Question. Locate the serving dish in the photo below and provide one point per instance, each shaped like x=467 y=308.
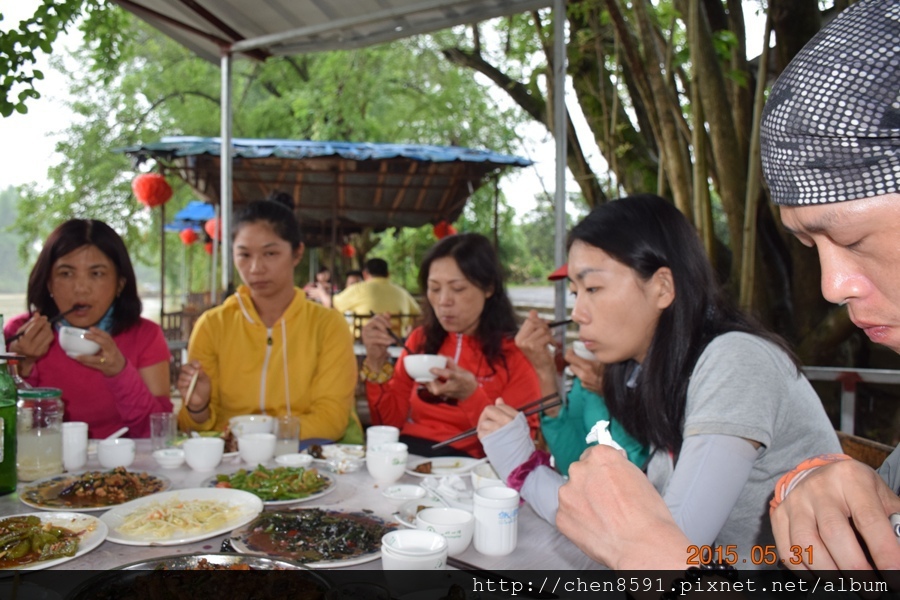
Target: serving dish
x=272 y=496
x=57 y=492
x=91 y=533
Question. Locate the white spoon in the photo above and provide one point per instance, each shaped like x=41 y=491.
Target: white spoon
x=117 y=434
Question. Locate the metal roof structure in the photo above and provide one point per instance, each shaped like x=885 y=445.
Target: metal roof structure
x=350 y=185
x=264 y=28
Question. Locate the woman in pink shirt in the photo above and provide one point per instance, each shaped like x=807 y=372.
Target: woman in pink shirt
x=84 y=272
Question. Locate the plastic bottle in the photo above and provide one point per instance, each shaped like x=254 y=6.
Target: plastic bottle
x=8 y=392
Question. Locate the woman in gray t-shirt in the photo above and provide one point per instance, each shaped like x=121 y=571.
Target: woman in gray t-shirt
x=721 y=401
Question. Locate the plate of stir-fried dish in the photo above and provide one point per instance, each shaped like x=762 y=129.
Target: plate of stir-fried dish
x=40 y=540
x=91 y=490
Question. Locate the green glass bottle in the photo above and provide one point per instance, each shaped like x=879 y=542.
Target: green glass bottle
x=7 y=424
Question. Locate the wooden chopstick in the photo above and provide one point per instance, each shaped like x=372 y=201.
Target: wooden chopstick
x=559 y=323
x=529 y=409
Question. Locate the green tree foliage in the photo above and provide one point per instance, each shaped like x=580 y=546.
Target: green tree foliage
x=13 y=275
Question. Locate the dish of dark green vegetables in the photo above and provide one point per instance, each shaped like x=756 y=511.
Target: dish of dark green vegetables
x=277 y=486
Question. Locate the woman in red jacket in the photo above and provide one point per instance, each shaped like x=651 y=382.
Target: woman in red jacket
x=469 y=319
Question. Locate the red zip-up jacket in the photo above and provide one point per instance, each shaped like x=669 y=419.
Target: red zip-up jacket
x=396 y=402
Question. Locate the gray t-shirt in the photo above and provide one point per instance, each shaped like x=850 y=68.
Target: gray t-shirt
x=745 y=386
x=890 y=470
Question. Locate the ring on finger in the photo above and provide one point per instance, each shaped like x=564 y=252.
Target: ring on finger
x=102 y=360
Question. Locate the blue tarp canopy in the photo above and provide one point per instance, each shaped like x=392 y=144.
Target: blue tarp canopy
x=193 y=216
x=350 y=186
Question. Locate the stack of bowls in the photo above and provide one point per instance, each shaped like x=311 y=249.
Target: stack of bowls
x=413 y=550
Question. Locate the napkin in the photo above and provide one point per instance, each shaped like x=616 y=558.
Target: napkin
x=600 y=434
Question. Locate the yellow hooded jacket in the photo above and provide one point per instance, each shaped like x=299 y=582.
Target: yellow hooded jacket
x=303 y=365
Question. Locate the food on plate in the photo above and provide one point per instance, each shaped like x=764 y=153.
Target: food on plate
x=339 y=458
x=93 y=489
x=424 y=468
x=27 y=539
x=312 y=535
x=280 y=483
x=316 y=451
x=162 y=520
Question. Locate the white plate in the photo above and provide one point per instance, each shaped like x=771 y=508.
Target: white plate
x=238 y=540
x=249 y=504
x=332 y=484
x=407 y=514
x=444 y=465
x=29 y=492
x=94 y=529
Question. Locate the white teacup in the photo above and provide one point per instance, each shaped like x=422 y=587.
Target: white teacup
x=418 y=366
x=244 y=424
x=115 y=453
x=582 y=351
x=387 y=463
x=73 y=342
x=203 y=453
x=256 y=448
x=381 y=434
x=484 y=475
x=455 y=524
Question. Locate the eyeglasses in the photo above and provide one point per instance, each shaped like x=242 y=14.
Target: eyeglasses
x=429 y=398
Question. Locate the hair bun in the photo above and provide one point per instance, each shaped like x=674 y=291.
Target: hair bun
x=282 y=198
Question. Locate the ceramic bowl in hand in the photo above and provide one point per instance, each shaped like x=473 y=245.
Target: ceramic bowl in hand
x=118 y=452
x=203 y=453
x=256 y=448
x=73 y=342
x=418 y=366
x=582 y=351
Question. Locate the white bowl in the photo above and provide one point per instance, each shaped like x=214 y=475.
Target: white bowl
x=401 y=493
x=387 y=463
x=73 y=342
x=455 y=524
x=582 y=351
x=244 y=424
x=203 y=453
x=115 y=453
x=295 y=459
x=414 y=543
x=256 y=448
x=484 y=475
x=418 y=366
x=169 y=458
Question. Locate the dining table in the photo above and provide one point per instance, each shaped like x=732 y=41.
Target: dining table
x=540 y=545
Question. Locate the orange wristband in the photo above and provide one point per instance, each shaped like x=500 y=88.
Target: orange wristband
x=792 y=478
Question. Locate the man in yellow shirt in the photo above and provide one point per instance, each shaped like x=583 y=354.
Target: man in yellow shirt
x=378 y=294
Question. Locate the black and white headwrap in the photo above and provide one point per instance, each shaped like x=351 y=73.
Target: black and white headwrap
x=831 y=126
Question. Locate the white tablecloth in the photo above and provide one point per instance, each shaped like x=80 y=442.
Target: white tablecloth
x=540 y=545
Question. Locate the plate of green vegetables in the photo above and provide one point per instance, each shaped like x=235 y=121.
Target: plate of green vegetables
x=278 y=486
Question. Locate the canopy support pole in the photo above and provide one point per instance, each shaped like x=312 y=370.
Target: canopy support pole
x=225 y=188
x=559 y=133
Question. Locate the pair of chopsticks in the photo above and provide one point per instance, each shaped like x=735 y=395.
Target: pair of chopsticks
x=552 y=400
x=59 y=317
x=396 y=337
x=559 y=323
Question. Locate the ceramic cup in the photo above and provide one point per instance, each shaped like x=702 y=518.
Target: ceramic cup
x=381 y=434
x=412 y=549
x=115 y=453
x=484 y=475
x=496 y=520
x=74 y=444
x=455 y=524
x=387 y=463
x=203 y=453
x=251 y=424
x=73 y=342
x=256 y=448
x=418 y=366
x=582 y=351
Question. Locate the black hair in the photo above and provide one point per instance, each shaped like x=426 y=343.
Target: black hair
x=278 y=214
x=476 y=258
x=71 y=236
x=353 y=273
x=377 y=267
x=646 y=233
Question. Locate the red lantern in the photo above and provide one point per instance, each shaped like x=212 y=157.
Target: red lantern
x=212 y=228
x=151 y=189
x=188 y=236
x=208 y=247
x=348 y=251
x=442 y=229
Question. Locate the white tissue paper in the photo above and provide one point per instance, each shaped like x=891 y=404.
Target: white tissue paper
x=600 y=434
x=451 y=489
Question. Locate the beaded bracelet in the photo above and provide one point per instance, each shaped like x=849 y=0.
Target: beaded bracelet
x=381 y=376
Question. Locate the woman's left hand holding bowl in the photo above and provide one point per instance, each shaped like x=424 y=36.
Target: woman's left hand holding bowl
x=108 y=360
x=453 y=381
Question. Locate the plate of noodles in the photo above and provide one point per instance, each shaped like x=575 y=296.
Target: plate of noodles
x=180 y=516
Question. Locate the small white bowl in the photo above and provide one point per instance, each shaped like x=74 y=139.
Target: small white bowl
x=484 y=475
x=244 y=424
x=582 y=351
x=203 y=453
x=114 y=453
x=256 y=448
x=401 y=493
x=73 y=342
x=296 y=459
x=418 y=366
x=169 y=458
x=414 y=542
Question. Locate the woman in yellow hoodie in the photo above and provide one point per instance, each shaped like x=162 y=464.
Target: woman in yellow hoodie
x=267 y=349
